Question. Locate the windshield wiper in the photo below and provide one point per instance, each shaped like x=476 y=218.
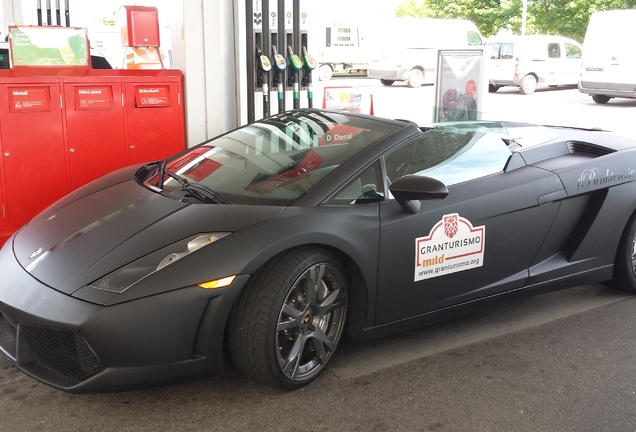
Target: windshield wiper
x=197 y=190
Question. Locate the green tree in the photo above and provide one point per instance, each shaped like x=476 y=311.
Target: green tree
x=562 y=17
x=488 y=15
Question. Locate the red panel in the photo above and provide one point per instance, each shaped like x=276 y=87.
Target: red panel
x=95 y=130
x=33 y=153
x=155 y=131
x=141 y=27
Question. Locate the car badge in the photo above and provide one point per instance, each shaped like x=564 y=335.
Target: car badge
x=36 y=253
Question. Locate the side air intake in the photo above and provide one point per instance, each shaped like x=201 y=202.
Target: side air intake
x=580 y=147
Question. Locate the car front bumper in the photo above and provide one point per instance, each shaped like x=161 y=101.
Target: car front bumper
x=77 y=346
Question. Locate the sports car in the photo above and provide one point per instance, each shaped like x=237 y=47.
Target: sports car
x=274 y=240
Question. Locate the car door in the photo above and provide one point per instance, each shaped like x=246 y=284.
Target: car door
x=554 y=66
x=502 y=65
x=572 y=63
x=476 y=242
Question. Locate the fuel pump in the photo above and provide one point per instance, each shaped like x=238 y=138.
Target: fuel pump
x=296 y=64
x=281 y=25
x=279 y=65
x=309 y=65
x=264 y=66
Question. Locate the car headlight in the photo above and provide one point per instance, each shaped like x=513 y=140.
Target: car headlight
x=123 y=278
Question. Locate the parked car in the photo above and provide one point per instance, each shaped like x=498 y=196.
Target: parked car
x=277 y=238
x=609 y=60
x=528 y=61
x=409 y=49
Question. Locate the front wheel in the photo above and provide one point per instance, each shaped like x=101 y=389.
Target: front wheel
x=625 y=265
x=290 y=318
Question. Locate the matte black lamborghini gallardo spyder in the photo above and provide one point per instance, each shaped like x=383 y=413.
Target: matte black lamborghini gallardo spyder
x=279 y=237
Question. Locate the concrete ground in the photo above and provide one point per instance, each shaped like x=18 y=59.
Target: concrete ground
x=564 y=361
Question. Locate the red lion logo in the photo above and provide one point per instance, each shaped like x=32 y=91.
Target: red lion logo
x=451 y=225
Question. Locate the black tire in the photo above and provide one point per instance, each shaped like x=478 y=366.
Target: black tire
x=492 y=88
x=386 y=82
x=625 y=265
x=601 y=99
x=278 y=315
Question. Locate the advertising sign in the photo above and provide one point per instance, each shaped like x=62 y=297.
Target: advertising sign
x=348 y=99
x=460 y=85
x=48 y=46
x=453 y=245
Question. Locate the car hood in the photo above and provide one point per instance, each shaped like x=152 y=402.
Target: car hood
x=70 y=246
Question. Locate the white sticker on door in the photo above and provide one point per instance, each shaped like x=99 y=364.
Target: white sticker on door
x=453 y=245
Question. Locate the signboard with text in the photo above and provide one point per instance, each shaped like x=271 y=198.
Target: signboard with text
x=29 y=99
x=152 y=96
x=92 y=98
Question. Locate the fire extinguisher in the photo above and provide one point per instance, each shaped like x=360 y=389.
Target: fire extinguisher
x=309 y=65
x=264 y=66
x=279 y=64
x=296 y=64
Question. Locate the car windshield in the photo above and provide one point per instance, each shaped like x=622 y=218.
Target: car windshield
x=274 y=161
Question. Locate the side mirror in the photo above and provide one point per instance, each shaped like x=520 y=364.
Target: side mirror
x=410 y=189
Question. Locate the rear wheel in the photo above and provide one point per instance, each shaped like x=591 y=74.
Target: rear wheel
x=528 y=84
x=387 y=82
x=625 y=265
x=416 y=78
x=601 y=99
x=288 y=322
x=492 y=88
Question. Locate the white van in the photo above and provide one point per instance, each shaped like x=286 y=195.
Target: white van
x=408 y=50
x=525 y=61
x=609 y=60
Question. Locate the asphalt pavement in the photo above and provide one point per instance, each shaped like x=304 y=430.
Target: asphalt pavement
x=571 y=373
